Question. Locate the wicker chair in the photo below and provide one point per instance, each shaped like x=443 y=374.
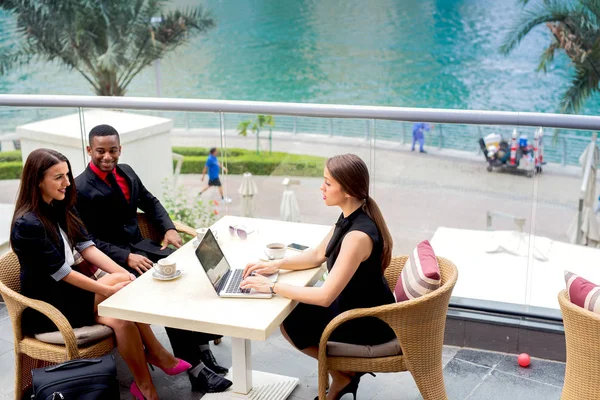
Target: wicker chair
x=419 y=325
x=149 y=231
x=582 y=334
x=29 y=352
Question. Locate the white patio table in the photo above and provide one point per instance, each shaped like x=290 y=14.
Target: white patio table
x=190 y=302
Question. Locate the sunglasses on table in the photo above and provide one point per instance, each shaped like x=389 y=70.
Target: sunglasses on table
x=240 y=231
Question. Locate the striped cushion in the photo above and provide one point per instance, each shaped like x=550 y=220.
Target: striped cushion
x=582 y=292
x=420 y=275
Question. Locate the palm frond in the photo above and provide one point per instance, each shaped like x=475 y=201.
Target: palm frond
x=582 y=87
x=547 y=57
x=9 y=60
x=592 y=9
x=548 y=11
x=174 y=29
x=109 y=41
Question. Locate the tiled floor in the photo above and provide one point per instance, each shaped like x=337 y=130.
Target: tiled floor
x=469 y=374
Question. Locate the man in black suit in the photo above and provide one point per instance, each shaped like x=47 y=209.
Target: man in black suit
x=108 y=197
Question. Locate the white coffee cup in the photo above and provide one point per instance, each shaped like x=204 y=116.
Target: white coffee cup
x=200 y=232
x=166 y=266
x=275 y=250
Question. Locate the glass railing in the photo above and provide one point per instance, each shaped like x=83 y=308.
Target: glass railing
x=506 y=229
x=27 y=134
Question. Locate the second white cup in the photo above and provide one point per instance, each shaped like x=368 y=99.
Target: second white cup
x=275 y=250
x=166 y=266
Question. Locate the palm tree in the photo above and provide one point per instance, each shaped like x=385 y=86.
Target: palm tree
x=256 y=125
x=575 y=26
x=107 y=41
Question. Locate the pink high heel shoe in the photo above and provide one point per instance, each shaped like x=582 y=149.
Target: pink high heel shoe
x=176 y=370
x=136 y=392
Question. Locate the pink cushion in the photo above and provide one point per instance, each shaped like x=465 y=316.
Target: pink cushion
x=420 y=275
x=582 y=292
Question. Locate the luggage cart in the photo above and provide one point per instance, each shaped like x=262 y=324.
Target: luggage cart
x=518 y=158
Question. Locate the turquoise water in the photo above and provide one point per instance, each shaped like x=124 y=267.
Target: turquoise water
x=411 y=53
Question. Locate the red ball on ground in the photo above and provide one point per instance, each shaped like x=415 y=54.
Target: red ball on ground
x=523 y=359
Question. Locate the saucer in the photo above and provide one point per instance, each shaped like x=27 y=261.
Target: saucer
x=161 y=277
x=265 y=257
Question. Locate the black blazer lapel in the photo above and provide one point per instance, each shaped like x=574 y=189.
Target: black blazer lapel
x=98 y=183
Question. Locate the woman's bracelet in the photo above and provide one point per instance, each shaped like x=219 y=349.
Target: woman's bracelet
x=273 y=288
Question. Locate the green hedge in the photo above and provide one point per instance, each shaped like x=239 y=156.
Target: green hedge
x=238 y=162
x=275 y=163
x=7 y=156
x=262 y=165
x=10 y=170
x=203 y=151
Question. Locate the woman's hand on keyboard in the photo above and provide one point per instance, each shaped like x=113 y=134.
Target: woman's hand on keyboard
x=261 y=268
x=259 y=283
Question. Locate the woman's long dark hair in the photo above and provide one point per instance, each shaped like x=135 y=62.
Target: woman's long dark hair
x=353 y=175
x=30 y=195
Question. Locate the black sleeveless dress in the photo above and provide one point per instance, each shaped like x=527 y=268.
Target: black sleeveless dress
x=367 y=288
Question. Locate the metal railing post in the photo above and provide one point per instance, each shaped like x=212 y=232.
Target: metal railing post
x=403 y=132
x=366 y=129
x=441 y=144
x=330 y=127
x=587 y=175
x=564 y=155
x=294 y=128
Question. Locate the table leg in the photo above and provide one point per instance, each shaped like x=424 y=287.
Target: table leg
x=242 y=365
x=248 y=384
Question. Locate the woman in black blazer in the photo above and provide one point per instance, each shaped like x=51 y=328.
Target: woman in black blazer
x=47 y=237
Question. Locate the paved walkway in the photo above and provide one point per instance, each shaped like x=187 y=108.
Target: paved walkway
x=417 y=192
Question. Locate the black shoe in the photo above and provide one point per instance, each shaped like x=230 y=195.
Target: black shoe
x=351 y=387
x=208 y=359
x=422 y=151
x=208 y=381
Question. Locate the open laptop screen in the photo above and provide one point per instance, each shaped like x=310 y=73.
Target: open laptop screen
x=212 y=259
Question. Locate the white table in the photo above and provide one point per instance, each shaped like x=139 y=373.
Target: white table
x=511 y=278
x=191 y=303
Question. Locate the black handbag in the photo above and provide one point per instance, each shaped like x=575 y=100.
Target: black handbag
x=86 y=379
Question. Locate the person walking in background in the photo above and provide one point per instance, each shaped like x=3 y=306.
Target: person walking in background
x=213 y=167
x=418 y=132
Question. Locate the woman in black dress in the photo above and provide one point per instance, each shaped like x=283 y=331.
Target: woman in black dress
x=47 y=237
x=357 y=251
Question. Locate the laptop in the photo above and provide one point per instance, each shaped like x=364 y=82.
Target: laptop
x=225 y=280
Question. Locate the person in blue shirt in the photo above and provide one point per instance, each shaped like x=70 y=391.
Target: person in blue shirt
x=213 y=167
x=418 y=132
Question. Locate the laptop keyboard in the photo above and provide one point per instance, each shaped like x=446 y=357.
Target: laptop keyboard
x=234 y=283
